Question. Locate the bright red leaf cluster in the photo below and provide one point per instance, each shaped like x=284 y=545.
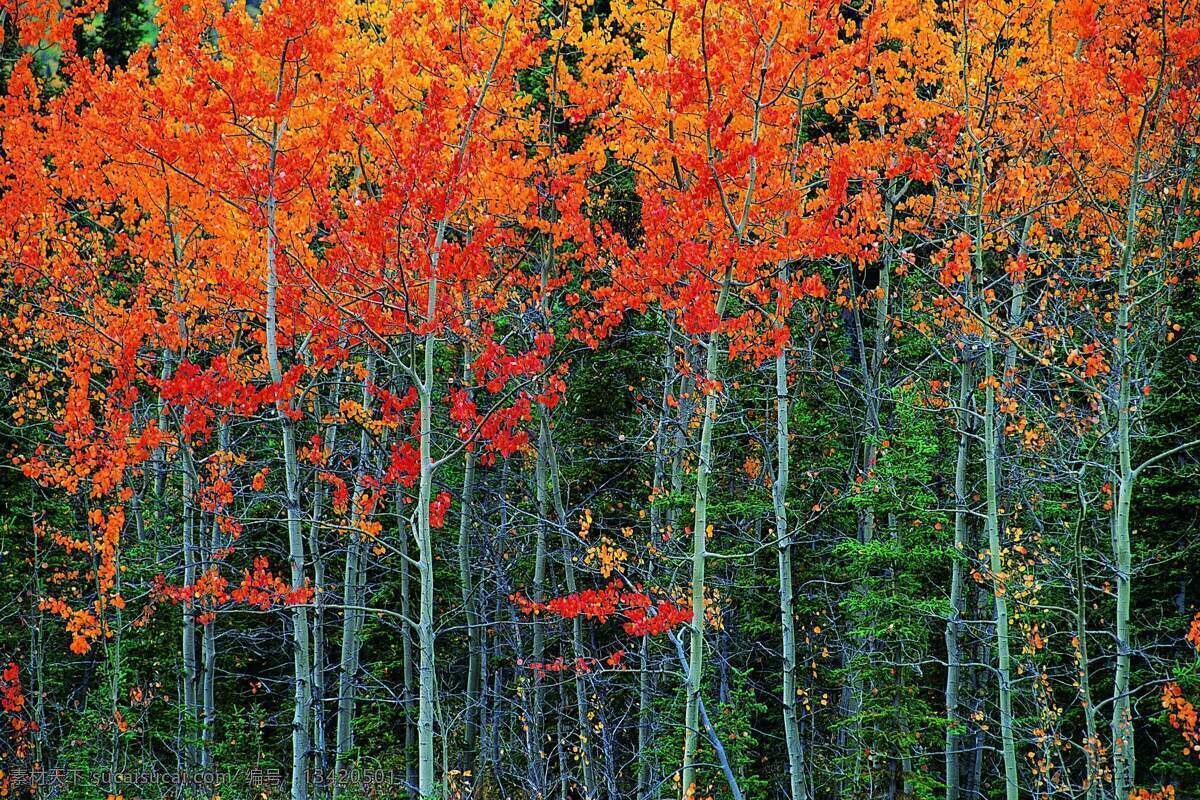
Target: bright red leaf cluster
x=643 y=616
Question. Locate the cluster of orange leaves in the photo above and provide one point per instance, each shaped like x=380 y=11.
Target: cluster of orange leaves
x=1180 y=711
x=578 y=666
x=643 y=616
x=259 y=588
x=12 y=704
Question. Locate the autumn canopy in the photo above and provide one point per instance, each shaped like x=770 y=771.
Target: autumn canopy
x=604 y=399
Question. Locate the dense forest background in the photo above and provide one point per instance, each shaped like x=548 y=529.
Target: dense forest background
x=600 y=399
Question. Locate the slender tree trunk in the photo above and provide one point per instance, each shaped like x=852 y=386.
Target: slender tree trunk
x=301 y=657
x=1000 y=590
x=329 y=442
x=607 y=746
x=209 y=641
x=1122 y=713
x=353 y=594
x=425 y=630
x=37 y=650
x=426 y=676
x=191 y=674
x=787 y=605
x=871 y=367
x=563 y=772
x=735 y=789
x=410 y=730
x=954 y=721
x=160 y=452
x=659 y=523
x=645 y=733
x=699 y=551
x=1093 y=780
x=587 y=763
x=113 y=654
x=208 y=718
x=991 y=452
x=353 y=600
x=537 y=761
x=472 y=711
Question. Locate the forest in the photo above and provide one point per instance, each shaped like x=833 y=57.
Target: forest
x=600 y=399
